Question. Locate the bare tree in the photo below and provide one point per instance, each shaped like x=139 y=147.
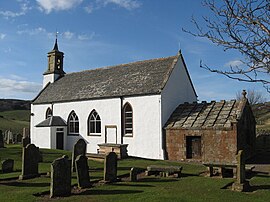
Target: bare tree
x=253 y=96
x=242 y=25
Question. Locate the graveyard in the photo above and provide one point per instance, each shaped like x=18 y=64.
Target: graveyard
x=117 y=184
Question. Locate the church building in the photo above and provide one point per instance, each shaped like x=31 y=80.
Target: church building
x=127 y=104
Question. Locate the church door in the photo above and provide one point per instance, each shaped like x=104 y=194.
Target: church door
x=60 y=140
x=111 y=134
x=193 y=145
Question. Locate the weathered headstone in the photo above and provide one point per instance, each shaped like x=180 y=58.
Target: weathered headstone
x=14 y=140
x=1 y=139
x=30 y=159
x=79 y=148
x=26 y=132
x=26 y=141
x=133 y=174
x=7 y=165
x=110 y=167
x=82 y=171
x=10 y=137
x=19 y=138
x=241 y=184
x=6 y=136
x=60 y=177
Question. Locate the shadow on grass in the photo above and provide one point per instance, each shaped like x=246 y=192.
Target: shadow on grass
x=133 y=185
x=252 y=188
x=25 y=184
x=109 y=192
x=151 y=179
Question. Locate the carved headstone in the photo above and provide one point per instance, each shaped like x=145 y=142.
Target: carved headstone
x=82 y=171
x=79 y=148
x=110 y=167
x=241 y=184
x=7 y=165
x=6 y=136
x=30 y=159
x=1 y=139
x=26 y=132
x=60 y=177
x=10 y=137
x=19 y=138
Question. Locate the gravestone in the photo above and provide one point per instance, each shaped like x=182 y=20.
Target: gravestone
x=241 y=184
x=19 y=138
x=6 y=136
x=110 y=167
x=26 y=141
x=79 y=148
x=1 y=139
x=14 y=140
x=30 y=159
x=60 y=177
x=82 y=170
x=7 y=165
x=133 y=174
x=10 y=137
x=26 y=132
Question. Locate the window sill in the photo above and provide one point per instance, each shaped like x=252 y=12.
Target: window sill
x=73 y=134
x=95 y=134
x=128 y=135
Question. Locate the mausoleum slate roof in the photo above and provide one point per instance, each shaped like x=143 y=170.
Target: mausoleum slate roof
x=206 y=115
x=137 y=78
x=52 y=121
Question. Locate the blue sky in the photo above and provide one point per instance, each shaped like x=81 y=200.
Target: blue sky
x=97 y=33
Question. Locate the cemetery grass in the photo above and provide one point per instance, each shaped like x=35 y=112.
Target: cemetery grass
x=191 y=187
x=15 y=120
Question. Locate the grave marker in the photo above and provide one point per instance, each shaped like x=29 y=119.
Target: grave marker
x=60 y=177
x=7 y=165
x=82 y=170
x=110 y=167
x=79 y=148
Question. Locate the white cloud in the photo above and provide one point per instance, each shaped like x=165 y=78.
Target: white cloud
x=234 y=63
x=83 y=37
x=2 y=36
x=68 y=35
x=24 y=7
x=34 y=31
x=18 y=86
x=57 y=5
x=127 y=4
x=89 y=8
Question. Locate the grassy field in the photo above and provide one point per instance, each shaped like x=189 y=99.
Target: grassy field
x=15 y=120
x=191 y=187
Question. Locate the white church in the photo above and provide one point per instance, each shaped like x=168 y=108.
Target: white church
x=126 y=104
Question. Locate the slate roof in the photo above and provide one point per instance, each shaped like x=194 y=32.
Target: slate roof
x=137 y=78
x=52 y=121
x=206 y=115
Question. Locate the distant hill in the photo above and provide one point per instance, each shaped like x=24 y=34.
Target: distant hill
x=262 y=115
x=13 y=104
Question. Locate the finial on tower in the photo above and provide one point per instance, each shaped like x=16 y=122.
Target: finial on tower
x=244 y=93
x=55 y=44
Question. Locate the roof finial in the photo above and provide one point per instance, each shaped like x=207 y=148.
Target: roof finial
x=55 y=44
x=244 y=93
x=179 y=48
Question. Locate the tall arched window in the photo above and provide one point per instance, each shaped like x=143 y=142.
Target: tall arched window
x=48 y=113
x=73 y=124
x=94 y=123
x=128 y=120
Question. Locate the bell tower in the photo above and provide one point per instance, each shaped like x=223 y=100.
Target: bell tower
x=55 y=65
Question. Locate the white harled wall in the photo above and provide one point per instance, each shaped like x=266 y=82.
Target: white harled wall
x=177 y=90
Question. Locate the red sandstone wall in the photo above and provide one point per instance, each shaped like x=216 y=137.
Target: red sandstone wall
x=218 y=146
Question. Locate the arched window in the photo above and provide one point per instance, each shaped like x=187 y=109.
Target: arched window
x=128 y=119
x=94 y=123
x=73 y=124
x=48 y=113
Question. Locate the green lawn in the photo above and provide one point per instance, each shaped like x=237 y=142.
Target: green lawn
x=15 y=120
x=191 y=187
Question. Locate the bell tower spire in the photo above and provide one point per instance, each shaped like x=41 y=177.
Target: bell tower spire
x=55 y=65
